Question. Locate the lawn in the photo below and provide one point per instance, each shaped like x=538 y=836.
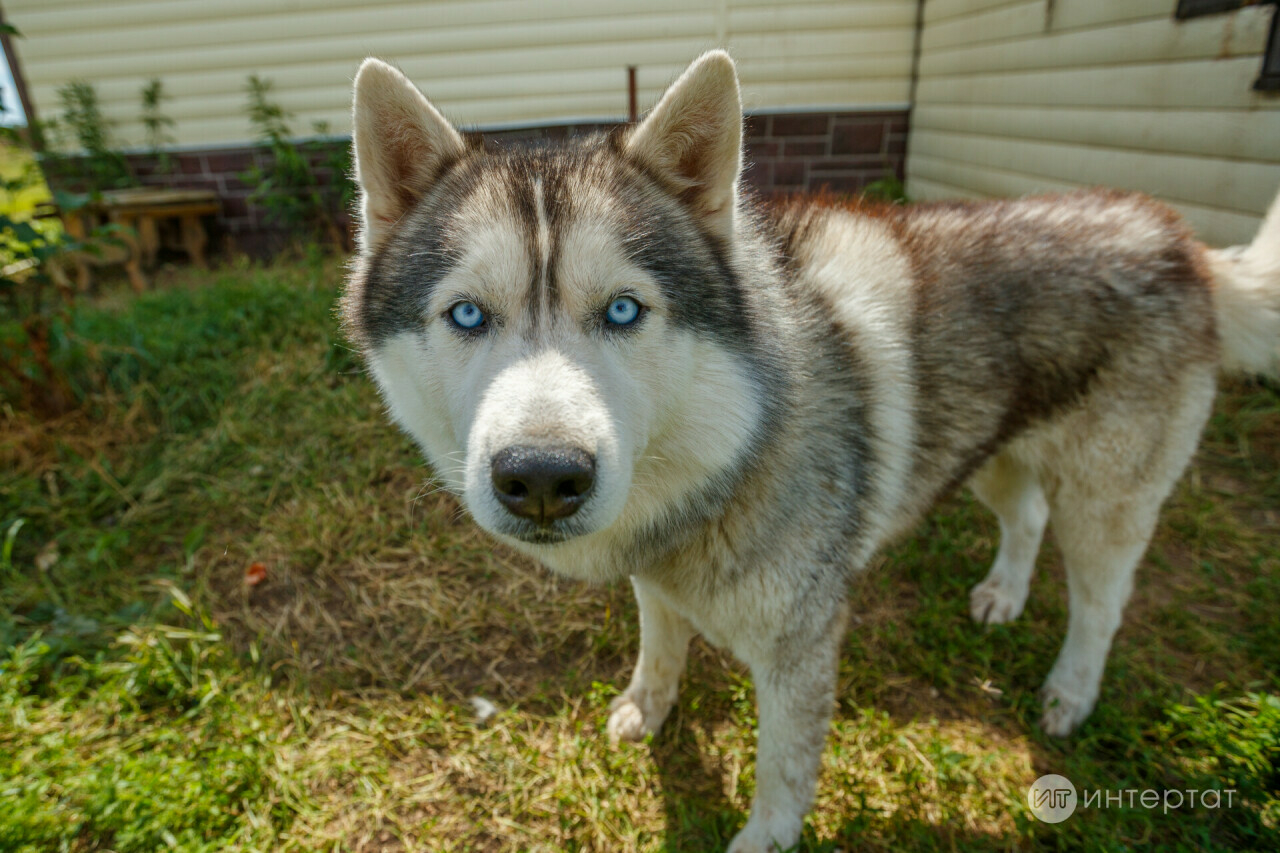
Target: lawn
x=151 y=698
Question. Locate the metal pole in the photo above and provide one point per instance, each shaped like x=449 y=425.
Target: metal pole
x=632 y=114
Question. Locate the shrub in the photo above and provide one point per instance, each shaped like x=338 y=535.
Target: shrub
x=287 y=188
x=79 y=146
x=156 y=124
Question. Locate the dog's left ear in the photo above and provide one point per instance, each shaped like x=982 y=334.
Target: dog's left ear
x=693 y=139
x=401 y=145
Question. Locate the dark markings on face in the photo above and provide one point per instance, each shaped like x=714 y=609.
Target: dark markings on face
x=538 y=183
x=701 y=289
x=523 y=196
x=557 y=203
x=392 y=295
x=699 y=284
x=659 y=233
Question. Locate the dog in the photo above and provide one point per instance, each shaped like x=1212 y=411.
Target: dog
x=626 y=369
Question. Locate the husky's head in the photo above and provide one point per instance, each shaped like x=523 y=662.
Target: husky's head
x=560 y=328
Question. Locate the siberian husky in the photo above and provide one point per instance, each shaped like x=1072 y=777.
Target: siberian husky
x=626 y=369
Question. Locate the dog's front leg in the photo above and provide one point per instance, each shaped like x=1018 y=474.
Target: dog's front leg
x=795 y=691
x=664 y=645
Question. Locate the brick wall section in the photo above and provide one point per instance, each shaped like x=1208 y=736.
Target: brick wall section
x=242 y=226
x=800 y=152
x=786 y=153
x=219 y=171
x=840 y=152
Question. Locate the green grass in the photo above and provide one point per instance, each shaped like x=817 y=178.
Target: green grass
x=150 y=699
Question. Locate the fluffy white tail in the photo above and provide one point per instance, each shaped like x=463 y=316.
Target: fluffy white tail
x=1248 y=300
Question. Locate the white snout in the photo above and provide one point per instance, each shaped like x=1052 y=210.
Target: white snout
x=546 y=400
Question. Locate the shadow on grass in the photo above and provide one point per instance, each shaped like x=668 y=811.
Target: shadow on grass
x=699 y=815
x=697 y=812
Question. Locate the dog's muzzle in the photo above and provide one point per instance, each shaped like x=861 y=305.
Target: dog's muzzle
x=542 y=484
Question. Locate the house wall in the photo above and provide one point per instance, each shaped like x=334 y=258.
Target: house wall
x=486 y=63
x=1035 y=95
x=825 y=84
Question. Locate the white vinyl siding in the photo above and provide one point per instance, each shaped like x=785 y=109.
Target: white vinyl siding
x=1023 y=97
x=486 y=63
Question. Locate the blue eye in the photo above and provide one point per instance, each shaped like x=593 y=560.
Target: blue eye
x=623 y=311
x=467 y=315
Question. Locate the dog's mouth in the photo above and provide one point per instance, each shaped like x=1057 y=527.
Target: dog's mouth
x=535 y=534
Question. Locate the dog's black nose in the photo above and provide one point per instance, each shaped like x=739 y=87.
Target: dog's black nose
x=542 y=483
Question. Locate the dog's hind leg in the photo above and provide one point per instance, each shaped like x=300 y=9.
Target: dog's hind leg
x=1115 y=466
x=1101 y=546
x=1013 y=492
x=664 y=646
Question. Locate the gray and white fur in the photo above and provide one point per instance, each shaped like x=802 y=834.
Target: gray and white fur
x=797 y=385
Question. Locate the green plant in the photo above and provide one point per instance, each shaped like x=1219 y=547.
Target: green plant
x=1229 y=743
x=156 y=124
x=35 y=316
x=79 y=146
x=337 y=159
x=35 y=295
x=23 y=192
x=889 y=188
x=36 y=312
x=287 y=187
x=182 y=766
x=33 y=305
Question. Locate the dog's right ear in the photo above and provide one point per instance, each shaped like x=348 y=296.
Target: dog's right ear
x=693 y=139
x=401 y=144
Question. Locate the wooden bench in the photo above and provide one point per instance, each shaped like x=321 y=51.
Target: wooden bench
x=140 y=212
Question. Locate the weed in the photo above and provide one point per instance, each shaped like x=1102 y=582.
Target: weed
x=889 y=188
x=36 y=300
x=156 y=124
x=79 y=147
x=287 y=187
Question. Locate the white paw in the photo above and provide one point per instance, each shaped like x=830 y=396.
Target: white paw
x=637 y=713
x=996 y=601
x=1063 y=710
x=747 y=845
x=767 y=835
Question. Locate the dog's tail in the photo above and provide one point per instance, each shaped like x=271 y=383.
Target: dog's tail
x=1247 y=297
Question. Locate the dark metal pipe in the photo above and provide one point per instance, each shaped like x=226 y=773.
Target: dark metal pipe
x=632 y=114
